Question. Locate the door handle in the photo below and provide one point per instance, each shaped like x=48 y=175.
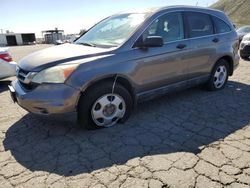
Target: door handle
x=215 y=40
x=181 y=46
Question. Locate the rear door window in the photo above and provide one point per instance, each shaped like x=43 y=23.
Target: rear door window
x=220 y=26
x=199 y=24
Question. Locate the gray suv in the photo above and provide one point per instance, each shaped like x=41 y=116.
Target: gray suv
x=126 y=58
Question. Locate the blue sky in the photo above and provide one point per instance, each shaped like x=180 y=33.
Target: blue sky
x=72 y=15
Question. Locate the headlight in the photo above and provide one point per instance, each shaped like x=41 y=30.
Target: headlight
x=57 y=74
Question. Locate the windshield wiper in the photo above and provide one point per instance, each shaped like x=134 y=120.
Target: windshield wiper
x=87 y=44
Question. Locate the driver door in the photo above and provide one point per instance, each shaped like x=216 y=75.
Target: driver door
x=161 y=66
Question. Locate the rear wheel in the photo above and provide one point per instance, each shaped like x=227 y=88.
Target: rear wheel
x=219 y=76
x=100 y=107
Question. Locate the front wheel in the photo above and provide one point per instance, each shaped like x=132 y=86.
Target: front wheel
x=219 y=76
x=103 y=107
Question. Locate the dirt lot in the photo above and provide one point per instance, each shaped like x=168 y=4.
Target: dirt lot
x=191 y=139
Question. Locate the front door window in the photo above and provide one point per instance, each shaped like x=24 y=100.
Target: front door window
x=168 y=26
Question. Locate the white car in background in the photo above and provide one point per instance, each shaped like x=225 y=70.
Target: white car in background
x=245 y=47
x=7 y=65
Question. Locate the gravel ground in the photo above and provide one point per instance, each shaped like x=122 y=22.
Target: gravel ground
x=193 y=138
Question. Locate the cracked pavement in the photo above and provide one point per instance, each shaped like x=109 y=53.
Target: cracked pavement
x=193 y=138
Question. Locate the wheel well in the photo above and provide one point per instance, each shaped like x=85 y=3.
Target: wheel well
x=123 y=81
x=230 y=63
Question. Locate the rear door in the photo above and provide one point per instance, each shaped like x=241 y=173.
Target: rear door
x=224 y=36
x=200 y=31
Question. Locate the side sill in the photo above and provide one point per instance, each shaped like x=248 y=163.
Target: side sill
x=151 y=94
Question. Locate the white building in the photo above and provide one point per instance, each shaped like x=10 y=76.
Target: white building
x=13 y=39
x=51 y=36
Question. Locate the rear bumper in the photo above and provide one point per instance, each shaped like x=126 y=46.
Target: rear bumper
x=46 y=98
x=8 y=69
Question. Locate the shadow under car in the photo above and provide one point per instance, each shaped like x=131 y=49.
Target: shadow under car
x=178 y=122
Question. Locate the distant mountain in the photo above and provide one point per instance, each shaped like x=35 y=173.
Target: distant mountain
x=237 y=10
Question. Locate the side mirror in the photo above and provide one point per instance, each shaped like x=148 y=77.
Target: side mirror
x=150 y=41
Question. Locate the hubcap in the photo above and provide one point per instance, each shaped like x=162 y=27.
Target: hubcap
x=108 y=109
x=220 y=76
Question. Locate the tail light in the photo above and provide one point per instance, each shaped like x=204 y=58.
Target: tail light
x=6 y=57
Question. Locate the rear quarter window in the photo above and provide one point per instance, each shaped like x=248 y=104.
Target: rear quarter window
x=220 y=26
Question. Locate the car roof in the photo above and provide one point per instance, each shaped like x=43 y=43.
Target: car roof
x=174 y=7
x=157 y=10
x=187 y=7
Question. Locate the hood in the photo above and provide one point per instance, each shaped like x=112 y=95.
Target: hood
x=246 y=37
x=59 y=54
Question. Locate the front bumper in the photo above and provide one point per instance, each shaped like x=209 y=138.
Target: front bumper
x=245 y=48
x=45 y=99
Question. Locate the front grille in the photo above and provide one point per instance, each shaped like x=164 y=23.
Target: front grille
x=22 y=74
x=246 y=49
x=24 y=79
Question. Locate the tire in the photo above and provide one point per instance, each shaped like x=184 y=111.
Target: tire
x=94 y=103
x=219 y=76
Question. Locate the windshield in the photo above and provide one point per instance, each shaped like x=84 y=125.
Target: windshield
x=245 y=29
x=112 y=31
